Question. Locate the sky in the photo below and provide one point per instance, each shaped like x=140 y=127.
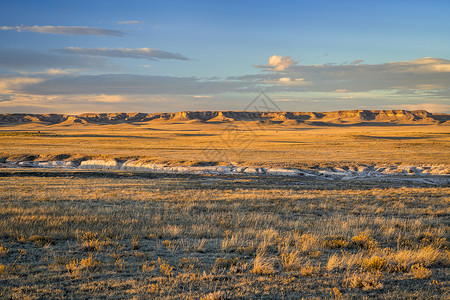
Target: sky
x=165 y=56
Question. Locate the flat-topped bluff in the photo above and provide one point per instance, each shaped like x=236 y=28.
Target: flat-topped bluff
x=284 y=118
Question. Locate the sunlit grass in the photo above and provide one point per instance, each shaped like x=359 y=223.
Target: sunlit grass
x=175 y=237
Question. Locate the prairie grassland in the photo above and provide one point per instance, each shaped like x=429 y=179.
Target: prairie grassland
x=85 y=234
x=265 y=145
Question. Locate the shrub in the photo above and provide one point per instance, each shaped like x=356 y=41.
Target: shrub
x=147 y=267
x=135 y=243
x=336 y=294
x=366 y=281
x=309 y=270
x=420 y=272
x=73 y=268
x=364 y=241
x=336 y=242
x=165 y=268
x=91 y=242
x=89 y=264
x=154 y=288
x=3 y=250
x=375 y=263
x=76 y=268
x=218 y=295
x=223 y=263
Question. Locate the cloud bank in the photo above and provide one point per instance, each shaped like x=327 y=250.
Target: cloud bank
x=425 y=74
x=416 y=84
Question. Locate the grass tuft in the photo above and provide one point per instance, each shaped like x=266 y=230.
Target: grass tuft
x=263 y=265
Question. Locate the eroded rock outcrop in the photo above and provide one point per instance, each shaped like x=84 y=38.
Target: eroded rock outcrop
x=285 y=118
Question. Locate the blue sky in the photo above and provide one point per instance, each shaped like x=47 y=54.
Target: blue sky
x=160 y=56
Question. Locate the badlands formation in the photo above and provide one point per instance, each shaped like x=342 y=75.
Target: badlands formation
x=351 y=117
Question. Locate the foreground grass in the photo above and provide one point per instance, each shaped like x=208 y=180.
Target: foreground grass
x=122 y=235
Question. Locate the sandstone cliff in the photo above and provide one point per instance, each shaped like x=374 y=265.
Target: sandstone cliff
x=345 y=117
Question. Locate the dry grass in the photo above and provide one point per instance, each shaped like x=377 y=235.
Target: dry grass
x=270 y=145
x=178 y=237
x=263 y=265
x=291 y=260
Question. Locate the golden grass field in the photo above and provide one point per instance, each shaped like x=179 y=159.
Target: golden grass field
x=274 y=145
x=84 y=234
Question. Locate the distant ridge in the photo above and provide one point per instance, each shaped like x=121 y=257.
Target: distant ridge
x=343 y=117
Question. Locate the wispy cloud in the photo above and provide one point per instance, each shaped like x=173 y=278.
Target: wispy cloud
x=357 y=62
x=6 y=97
x=286 y=81
x=201 y=96
x=12 y=84
x=66 y=30
x=141 y=53
x=426 y=65
x=430 y=107
x=429 y=87
x=130 y=22
x=19 y=59
x=49 y=72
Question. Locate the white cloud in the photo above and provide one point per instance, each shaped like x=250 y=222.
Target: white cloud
x=280 y=63
x=66 y=30
x=340 y=91
x=140 y=53
x=201 y=96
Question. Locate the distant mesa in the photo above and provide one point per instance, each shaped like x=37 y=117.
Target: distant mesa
x=333 y=118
